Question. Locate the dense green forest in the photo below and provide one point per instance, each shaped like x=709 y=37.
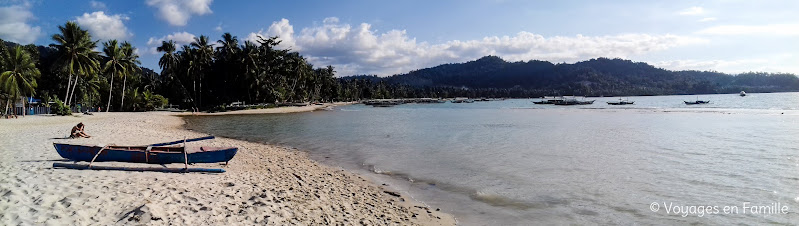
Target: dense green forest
x=203 y=76
x=491 y=76
x=70 y=72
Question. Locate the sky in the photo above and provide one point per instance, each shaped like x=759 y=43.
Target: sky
x=393 y=37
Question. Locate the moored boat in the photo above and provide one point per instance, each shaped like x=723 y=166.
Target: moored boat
x=146 y=154
x=548 y=100
x=621 y=102
x=572 y=101
x=697 y=102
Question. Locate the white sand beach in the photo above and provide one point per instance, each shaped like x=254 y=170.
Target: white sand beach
x=263 y=184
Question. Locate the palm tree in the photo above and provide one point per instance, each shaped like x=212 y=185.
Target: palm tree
x=229 y=46
x=202 y=59
x=19 y=77
x=88 y=91
x=188 y=71
x=114 y=66
x=75 y=54
x=230 y=71
x=90 y=88
x=249 y=60
x=169 y=61
x=3 y=95
x=130 y=61
x=300 y=67
x=172 y=61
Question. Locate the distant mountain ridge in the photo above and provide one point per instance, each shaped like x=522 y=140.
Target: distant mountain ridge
x=595 y=77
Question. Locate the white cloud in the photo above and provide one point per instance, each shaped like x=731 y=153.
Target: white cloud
x=773 y=64
x=180 y=38
x=218 y=28
x=104 y=26
x=692 y=11
x=769 y=29
x=707 y=19
x=361 y=50
x=98 y=5
x=779 y=63
x=178 y=12
x=14 y=24
x=704 y=65
x=282 y=29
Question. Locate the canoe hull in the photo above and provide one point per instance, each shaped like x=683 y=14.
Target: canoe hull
x=138 y=155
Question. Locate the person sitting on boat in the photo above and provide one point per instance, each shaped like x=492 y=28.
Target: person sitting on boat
x=77 y=131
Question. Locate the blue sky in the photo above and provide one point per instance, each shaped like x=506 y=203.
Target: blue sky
x=389 y=37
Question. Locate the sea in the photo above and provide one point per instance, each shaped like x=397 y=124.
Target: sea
x=512 y=162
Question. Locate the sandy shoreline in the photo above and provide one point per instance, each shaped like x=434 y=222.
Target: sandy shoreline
x=278 y=110
x=263 y=184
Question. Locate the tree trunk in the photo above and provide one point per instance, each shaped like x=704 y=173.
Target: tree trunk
x=66 y=95
x=194 y=90
x=72 y=93
x=291 y=96
x=200 y=100
x=24 y=109
x=6 y=111
x=122 y=105
x=13 y=107
x=110 y=88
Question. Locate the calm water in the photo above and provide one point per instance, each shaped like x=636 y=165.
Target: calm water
x=514 y=163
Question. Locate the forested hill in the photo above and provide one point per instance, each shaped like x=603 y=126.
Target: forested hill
x=608 y=77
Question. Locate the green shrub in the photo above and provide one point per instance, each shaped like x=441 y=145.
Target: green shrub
x=59 y=108
x=153 y=101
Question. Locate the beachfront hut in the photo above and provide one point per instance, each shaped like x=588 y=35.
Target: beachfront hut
x=29 y=106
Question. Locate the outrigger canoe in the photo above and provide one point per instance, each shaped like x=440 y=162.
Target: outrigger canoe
x=141 y=154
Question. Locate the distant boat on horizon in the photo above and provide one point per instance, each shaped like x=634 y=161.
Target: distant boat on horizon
x=697 y=102
x=549 y=100
x=621 y=102
x=574 y=101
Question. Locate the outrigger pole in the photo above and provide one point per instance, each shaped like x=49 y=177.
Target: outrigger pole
x=181 y=141
x=166 y=170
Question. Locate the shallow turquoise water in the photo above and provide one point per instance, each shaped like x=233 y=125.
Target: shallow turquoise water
x=515 y=163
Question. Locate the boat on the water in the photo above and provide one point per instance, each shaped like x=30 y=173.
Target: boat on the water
x=145 y=154
x=621 y=102
x=697 y=102
x=743 y=94
x=549 y=100
x=574 y=102
x=571 y=101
